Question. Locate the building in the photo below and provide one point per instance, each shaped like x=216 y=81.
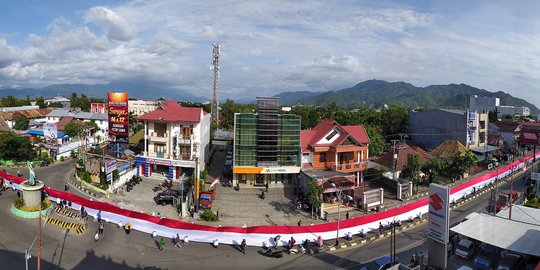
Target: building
x=402 y=153
x=513 y=111
x=36 y=116
x=99 y=107
x=19 y=108
x=509 y=130
x=429 y=129
x=483 y=104
x=102 y=123
x=266 y=145
x=330 y=146
x=56 y=115
x=175 y=139
x=140 y=106
x=66 y=103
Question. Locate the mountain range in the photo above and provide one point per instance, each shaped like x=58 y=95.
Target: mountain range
x=367 y=94
x=376 y=93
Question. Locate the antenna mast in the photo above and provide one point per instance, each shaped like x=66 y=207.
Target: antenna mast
x=215 y=76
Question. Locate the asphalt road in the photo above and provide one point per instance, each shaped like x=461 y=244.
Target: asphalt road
x=116 y=250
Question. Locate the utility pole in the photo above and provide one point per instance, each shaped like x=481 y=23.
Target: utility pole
x=39 y=241
x=394 y=159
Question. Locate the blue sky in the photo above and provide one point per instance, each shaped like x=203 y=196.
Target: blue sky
x=269 y=47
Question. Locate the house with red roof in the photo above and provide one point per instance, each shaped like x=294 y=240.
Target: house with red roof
x=175 y=139
x=332 y=147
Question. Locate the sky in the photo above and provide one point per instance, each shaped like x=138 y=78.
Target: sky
x=269 y=47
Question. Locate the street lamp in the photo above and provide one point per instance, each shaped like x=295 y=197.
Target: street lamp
x=339 y=192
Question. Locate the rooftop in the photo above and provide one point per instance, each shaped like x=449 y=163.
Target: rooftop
x=60 y=113
x=171 y=111
x=312 y=136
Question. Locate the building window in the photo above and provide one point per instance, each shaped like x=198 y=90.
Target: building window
x=322 y=157
x=160 y=129
x=331 y=135
x=482 y=124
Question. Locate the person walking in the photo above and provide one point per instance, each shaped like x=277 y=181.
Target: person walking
x=177 y=241
x=299 y=223
x=347 y=215
x=215 y=243
x=101 y=227
x=266 y=186
x=243 y=246
x=154 y=235
x=99 y=216
x=66 y=187
x=96 y=237
x=161 y=244
x=186 y=240
x=276 y=240
x=291 y=243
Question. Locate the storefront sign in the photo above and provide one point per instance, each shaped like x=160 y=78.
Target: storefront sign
x=438 y=215
x=118 y=117
x=167 y=162
x=110 y=166
x=266 y=170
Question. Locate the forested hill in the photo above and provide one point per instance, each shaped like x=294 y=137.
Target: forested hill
x=375 y=93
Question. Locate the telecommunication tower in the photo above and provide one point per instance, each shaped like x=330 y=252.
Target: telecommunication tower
x=215 y=75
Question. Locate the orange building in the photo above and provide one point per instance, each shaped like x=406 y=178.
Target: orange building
x=332 y=147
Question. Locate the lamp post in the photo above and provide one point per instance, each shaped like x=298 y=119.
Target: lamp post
x=339 y=192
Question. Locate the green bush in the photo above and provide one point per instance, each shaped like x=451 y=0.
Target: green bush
x=18 y=202
x=534 y=203
x=85 y=176
x=208 y=215
x=62 y=158
x=44 y=156
x=72 y=154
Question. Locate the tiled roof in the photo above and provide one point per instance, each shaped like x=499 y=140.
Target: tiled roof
x=311 y=137
x=507 y=126
x=30 y=114
x=63 y=122
x=91 y=116
x=403 y=152
x=171 y=111
x=60 y=113
x=447 y=148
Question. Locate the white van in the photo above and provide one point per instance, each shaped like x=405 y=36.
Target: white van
x=465 y=248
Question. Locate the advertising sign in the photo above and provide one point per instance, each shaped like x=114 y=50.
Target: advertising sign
x=529 y=136
x=110 y=166
x=118 y=117
x=50 y=132
x=109 y=177
x=438 y=216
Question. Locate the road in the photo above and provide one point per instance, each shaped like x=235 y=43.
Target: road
x=116 y=250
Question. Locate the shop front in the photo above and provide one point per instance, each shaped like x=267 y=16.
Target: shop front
x=171 y=169
x=260 y=176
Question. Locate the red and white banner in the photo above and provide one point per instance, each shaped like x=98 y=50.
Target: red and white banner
x=264 y=235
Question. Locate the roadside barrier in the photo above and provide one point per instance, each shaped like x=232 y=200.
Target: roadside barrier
x=264 y=235
x=79 y=228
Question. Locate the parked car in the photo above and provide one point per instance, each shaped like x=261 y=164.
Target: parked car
x=487 y=257
x=380 y=263
x=465 y=248
x=167 y=196
x=512 y=261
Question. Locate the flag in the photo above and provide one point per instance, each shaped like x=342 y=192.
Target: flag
x=214 y=182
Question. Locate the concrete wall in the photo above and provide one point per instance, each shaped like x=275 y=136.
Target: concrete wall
x=430 y=128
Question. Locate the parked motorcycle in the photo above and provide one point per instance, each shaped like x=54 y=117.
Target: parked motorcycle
x=300 y=249
x=273 y=253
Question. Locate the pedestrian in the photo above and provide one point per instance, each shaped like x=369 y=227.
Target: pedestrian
x=128 y=227
x=244 y=226
x=119 y=224
x=186 y=240
x=449 y=249
x=101 y=227
x=299 y=223
x=161 y=244
x=291 y=243
x=18 y=194
x=347 y=215
x=349 y=236
x=243 y=246
x=154 y=235
x=215 y=243
x=58 y=203
x=325 y=216
x=380 y=227
x=82 y=211
x=262 y=195
x=177 y=241
x=320 y=241
x=96 y=237
x=99 y=216
x=66 y=187
x=159 y=215
x=276 y=240
x=266 y=186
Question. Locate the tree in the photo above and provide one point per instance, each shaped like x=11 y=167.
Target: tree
x=461 y=163
x=40 y=101
x=15 y=147
x=434 y=167
x=74 y=129
x=412 y=170
x=394 y=120
x=314 y=195
x=9 y=101
x=21 y=123
x=377 y=144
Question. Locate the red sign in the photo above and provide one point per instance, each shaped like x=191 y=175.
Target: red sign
x=118 y=117
x=529 y=136
x=436 y=201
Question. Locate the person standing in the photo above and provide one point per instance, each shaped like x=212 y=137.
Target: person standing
x=96 y=237
x=347 y=215
x=99 y=216
x=101 y=227
x=299 y=223
x=276 y=240
x=161 y=244
x=186 y=240
x=216 y=243
x=154 y=235
x=243 y=246
x=177 y=240
x=266 y=186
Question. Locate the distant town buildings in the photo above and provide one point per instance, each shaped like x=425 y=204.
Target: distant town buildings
x=99 y=107
x=430 y=128
x=513 y=111
x=491 y=104
x=266 y=145
x=175 y=139
x=36 y=116
x=19 y=108
x=140 y=106
x=66 y=103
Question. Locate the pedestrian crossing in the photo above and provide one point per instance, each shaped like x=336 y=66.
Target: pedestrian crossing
x=78 y=228
x=66 y=212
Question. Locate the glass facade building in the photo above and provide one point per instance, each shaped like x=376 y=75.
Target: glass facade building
x=266 y=145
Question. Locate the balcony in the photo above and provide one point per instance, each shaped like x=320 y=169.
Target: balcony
x=184 y=140
x=348 y=167
x=159 y=137
x=158 y=155
x=183 y=157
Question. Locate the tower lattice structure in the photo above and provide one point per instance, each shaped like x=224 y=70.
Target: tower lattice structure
x=215 y=76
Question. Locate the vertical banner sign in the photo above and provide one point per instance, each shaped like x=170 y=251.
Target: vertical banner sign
x=438 y=217
x=50 y=132
x=118 y=122
x=110 y=166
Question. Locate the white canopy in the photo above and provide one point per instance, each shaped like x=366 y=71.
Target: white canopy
x=501 y=232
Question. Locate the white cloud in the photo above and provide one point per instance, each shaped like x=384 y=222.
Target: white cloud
x=117 y=27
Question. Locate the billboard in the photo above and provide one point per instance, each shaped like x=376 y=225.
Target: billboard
x=529 y=136
x=118 y=117
x=50 y=132
x=438 y=215
x=110 y=166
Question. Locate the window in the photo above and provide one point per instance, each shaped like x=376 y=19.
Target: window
x=322 y=157
x=482 y=137
x=482 y=124
x=331 y=135
x=160 y=129
x=305 y=154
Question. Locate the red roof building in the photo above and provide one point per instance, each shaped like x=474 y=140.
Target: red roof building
x=171 y=111
x=403 y=151
x=330 y=146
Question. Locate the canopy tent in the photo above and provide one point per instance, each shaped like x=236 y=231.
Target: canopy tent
x=504 y=233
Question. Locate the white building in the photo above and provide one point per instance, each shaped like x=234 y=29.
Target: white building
x=66 y=103
x=175 y=138
x=102 y=122
x=483 y=104
x=55 y=115
x=514 y=111
x=140 y=106
x=19 y=108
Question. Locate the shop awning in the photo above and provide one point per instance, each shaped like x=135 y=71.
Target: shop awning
x=485 y=149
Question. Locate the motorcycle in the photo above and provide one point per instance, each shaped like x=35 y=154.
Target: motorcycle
x=300 y=249
x=273 y=253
